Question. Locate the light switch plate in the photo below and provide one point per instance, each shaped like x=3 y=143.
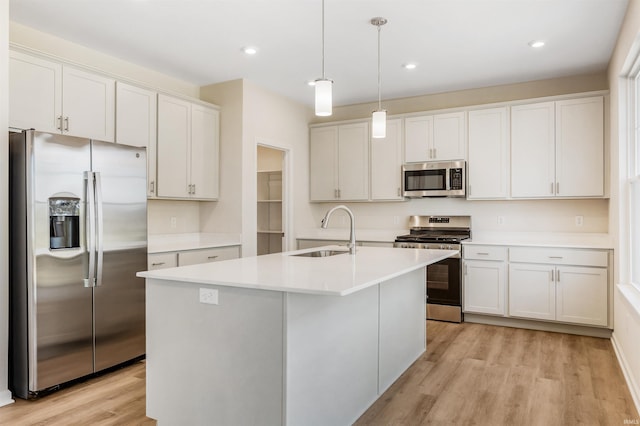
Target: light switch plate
x=209 y=296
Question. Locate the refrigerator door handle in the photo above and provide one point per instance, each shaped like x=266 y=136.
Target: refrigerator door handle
x=91 y=229
x=99 y=228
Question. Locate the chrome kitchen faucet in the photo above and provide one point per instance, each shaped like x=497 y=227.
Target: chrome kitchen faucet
x=352 y=236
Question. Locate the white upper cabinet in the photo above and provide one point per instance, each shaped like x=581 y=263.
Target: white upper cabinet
x=580 y=147
x=35 y=93
x=488 y=163
x=557 y=149
x=435 y=137
x=339 y=162
x=386 y=163
x=533 y=150
x=136 y=112
x=88 y=104
x=188 y=150
x=56 y=98
x=205 y=147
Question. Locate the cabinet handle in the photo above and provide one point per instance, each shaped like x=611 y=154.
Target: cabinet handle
x=59 y=127
x=470 y=189
x=555 y=257
x=158 y=264
x=551 y=275
x=152 y=187
x=66 y=124
x=466 y=269
x=435 y=152
x=557 y=188
x=551 y=188
x=339 y=193
x=483 y=253
x=194 y=189
x=212 y=257
x=557 y=275
x=399 y=192
x=430 y=153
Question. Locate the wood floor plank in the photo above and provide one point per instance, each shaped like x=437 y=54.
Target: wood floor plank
x=471 y=374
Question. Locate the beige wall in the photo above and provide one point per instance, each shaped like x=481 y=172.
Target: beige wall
x=483 y=95
x=253 y=116
x=40 y=42
x=627 y=298
x=5 y=395
x=225 y=215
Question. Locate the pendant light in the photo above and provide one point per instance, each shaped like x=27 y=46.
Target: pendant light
x=323 y=85
x=379 y=117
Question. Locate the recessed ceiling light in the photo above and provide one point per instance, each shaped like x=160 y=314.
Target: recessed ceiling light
x=250 y=50
x=409 y=66
x=536 y=44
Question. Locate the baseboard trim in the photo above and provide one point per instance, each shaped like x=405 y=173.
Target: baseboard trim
x=604 y=333
x=5 y=398
x=624 y=366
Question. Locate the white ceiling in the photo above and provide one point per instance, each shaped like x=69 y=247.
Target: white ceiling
x=457 y=44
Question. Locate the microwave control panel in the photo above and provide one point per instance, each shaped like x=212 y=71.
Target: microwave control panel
x=455 y=178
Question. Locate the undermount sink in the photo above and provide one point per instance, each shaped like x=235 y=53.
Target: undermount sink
x=321 y=253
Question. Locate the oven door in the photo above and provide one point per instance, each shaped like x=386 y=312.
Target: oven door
x=443 y=282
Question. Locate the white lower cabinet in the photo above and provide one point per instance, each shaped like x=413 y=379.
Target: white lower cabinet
x=194 y=257
x=484 y=280
x=191 y=257
x=543 y=283
x=567 y=285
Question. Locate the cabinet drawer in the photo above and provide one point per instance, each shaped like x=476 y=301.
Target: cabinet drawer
x=194 y=257
x=559 y=256
x=162 y=260
x=484 y=252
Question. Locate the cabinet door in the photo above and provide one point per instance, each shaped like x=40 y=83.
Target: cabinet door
x=581 y=295
x=174 y=135
x=136 y=113
x=323 y=163
x=217 y=254
x=488 y=165
x=204 y=152
x=88 y=104
x=484 y=286
x=580 y=147
x=532 y=291
x=449 y=136
x=353 y=161
x=386 y=163
x=533 y=150
x=418 y=139
x=35 y=93
x=162 y=260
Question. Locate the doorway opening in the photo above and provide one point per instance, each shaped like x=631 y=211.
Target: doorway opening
x=270 y=200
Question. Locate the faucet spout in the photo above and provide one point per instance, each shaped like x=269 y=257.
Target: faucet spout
x=352 y=234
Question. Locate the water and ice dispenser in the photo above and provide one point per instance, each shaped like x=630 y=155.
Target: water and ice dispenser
x=64 y=223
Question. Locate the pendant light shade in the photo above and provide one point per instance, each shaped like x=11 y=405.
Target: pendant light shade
x=324 y=86
x=379 y=124
x=379 y=117
x=323 y=97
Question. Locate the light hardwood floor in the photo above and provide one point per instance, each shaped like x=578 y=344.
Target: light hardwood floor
x=471 y=374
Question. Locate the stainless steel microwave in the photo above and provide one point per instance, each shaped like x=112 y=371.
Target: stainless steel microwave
x=434 y=179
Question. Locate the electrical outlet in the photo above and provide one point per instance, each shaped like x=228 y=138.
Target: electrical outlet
x=209 y=296
x=579 y=220
x=500 y=220
x=174 y=222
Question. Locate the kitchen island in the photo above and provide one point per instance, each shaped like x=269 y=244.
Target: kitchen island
x=282 y=338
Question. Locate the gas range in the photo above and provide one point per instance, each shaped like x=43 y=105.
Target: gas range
x=436 y=232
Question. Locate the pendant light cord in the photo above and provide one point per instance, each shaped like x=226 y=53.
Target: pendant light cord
x=323 y=40
x=379 y=96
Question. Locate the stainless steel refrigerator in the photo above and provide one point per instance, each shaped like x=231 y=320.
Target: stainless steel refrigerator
x=78 y=235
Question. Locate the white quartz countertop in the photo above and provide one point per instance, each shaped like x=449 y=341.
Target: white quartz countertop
x=543 y=239
x=377 y=235
x=338 y=275
x=161 y=243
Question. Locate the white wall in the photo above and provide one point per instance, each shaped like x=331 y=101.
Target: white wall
x=262 y=118
x=627 y=298
x=5 y=395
